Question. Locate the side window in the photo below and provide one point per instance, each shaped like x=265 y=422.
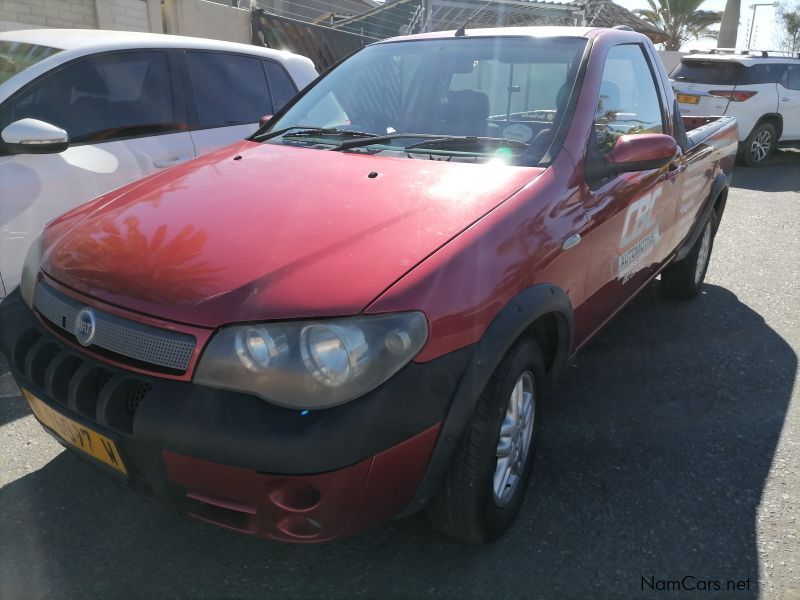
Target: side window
x=102 y=98
x=280 y=85
x=793 y=77
x=629 y=101
x=228 y=89
x=765 y=74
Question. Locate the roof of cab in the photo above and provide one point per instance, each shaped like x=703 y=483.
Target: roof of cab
x=503 y=32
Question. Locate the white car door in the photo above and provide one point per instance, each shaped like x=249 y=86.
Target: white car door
x=789 y=97
x=228 y=94
x=125 y=121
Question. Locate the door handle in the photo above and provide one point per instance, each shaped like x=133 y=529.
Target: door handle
x=786 y=99
x=168 y=162
x=571 y=241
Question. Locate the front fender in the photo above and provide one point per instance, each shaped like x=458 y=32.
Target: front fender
x=511 y=323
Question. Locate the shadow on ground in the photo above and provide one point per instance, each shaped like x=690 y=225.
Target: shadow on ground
x=773 y=176
x=651 y=463
x=9 y=410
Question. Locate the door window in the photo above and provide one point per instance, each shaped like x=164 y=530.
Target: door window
x=280 y=85
x=793 y=77
x=629 y=101
x=101 y=98
x=228 y=89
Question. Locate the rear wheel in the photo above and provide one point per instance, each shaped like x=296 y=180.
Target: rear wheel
x=484 y=487
x=759 y=145
x=684 y=279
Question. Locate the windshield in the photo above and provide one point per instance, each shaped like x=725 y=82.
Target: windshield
x=15 y=57
x=475 y=99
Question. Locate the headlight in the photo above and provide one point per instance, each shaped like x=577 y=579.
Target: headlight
x=312 y=364
x=30 y=271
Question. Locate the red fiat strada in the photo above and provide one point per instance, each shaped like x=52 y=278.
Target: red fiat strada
x=357 y=313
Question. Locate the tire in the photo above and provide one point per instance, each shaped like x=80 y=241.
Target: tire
x=467 y=506
x=759 y=145
x=684 y=279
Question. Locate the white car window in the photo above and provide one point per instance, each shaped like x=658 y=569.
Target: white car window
x=280 y=85
x=15 y=57
x=238 y=94
x=793 y=77
x=102 y=98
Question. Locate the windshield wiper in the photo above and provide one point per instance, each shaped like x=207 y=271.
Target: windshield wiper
x=430 y=138
x=462 y=142
x=304 y=130
x=378 y=139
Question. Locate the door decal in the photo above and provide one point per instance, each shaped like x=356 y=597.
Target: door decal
x=639 y=236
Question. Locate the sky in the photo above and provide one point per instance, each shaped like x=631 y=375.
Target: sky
x=763 y=34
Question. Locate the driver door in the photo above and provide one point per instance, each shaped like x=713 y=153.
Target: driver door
x=631 y=216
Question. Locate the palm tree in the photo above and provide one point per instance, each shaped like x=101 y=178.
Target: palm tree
x=680 y=19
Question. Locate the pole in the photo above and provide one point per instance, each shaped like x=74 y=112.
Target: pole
x=753 y=19
x=752 y=26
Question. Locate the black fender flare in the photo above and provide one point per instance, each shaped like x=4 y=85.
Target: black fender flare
x=777 y=117
x=720 y=184
x=506 y=328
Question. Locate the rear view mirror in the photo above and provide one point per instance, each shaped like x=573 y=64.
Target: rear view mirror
x=31 y=136
x=641 y=152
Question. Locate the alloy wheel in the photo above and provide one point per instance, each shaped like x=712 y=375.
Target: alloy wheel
x=514 y=444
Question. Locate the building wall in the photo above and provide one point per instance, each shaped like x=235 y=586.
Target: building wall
x=198 y=18
x=20 y=14
x=129 y=15
x=126 y=15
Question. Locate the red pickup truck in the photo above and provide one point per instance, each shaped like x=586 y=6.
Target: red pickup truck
x=358 y=312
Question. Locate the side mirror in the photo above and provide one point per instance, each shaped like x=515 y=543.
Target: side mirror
x=641 y=152
x=31 y=136
x=264 y=120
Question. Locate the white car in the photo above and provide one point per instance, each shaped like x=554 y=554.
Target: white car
x=760 y=88
x=84 y=111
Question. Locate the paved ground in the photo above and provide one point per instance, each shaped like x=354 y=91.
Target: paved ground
x=673 y=450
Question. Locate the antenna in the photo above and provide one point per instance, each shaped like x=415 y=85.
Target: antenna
x=462 y=31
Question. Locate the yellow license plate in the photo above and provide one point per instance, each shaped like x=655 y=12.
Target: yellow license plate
x=688 y=99
x=76 y=435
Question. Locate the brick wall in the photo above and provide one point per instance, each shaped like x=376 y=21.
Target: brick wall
x=49 y=13
x=129 y=15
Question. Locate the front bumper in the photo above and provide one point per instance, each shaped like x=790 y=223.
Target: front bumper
x=233 y=459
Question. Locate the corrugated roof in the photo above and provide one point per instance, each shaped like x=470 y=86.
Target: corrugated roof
x=406 y=15
x=326 y=44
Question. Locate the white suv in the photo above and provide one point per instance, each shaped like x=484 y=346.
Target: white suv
x=83 y=112
x=760 y=88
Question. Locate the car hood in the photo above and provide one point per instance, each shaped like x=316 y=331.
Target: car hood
x=261 y=231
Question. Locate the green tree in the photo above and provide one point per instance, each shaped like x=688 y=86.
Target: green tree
x=789 y=28
x=682 y=20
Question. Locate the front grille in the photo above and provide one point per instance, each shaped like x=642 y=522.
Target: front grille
x=86 y=387
x=146 y=345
